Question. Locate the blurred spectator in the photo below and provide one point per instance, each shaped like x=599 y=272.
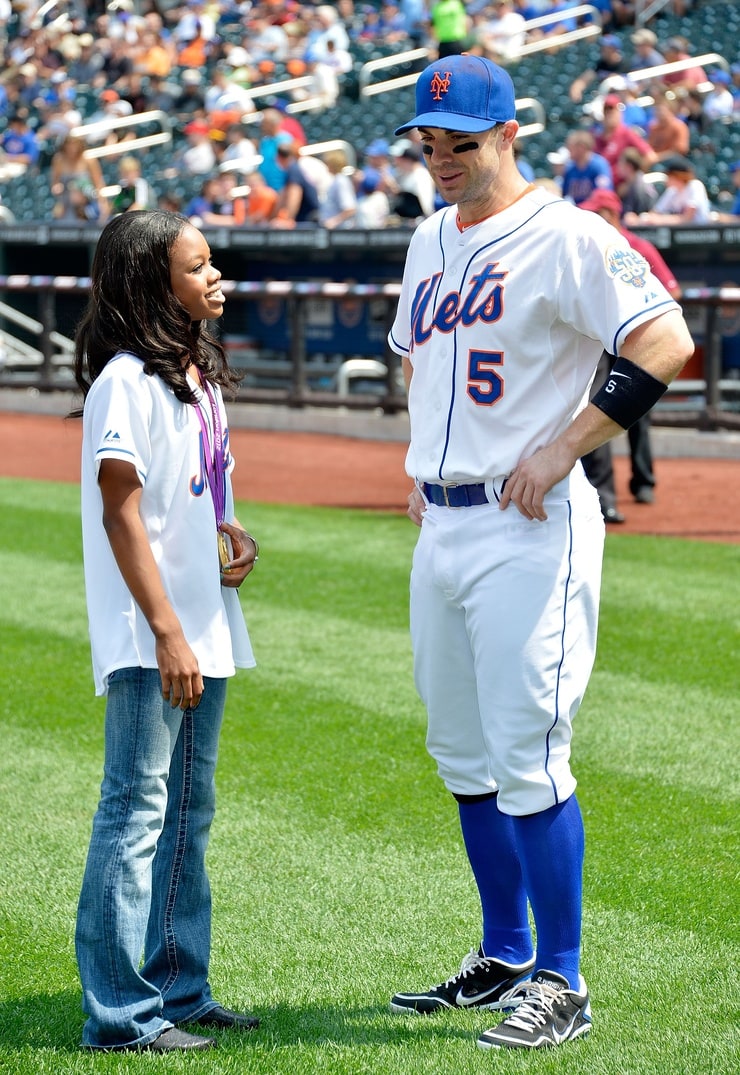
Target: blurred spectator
x=316 y=171
x=634 y=112
x=735 y=87
x=415 y=186
x=194 y=20
x=153 y=57
x=501 y=34
x=675 y=50
x=323 y=89
x=199 y=156
x=298 y=201
x=337 y=209
x=225 y=101
x=161 y=94
x=112 y=107
x=18 y=142
x=369 y=32
x=267 y=40
x=450 y=26
x=339 y=60
x=690 y=110
x=289 y=124
x=271 y=137
x=565 y=25
x=260 y=199
x=719 y=103
x=135 y=192
x=613 y=136
x=196 y=51
x=191 y=100
x=28 y=85
x=117 y=62
x=373 y=205
x=378 y=160
x=646 y=50
x=684 y=200
x=392 y=24
x=238 y=145
x=86 y=61
x=54 y=124
x=415 y=20
x=637 y=195
x=326 y=25
x=239 y=67
x=735 y=173
x=586 y=171
x=205 y=207
x=610 y=61
x=667 y=134
x=75 y=181
x=558 y=159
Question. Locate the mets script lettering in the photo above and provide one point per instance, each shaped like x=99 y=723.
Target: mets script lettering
x=482 y=302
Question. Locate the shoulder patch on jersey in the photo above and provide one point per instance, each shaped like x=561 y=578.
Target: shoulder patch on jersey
x=625 y=264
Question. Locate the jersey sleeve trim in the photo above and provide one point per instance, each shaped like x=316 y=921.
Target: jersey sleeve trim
x=640 y=319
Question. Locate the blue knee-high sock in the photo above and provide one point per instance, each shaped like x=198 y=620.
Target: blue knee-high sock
x=551 y=846
x=490 y=844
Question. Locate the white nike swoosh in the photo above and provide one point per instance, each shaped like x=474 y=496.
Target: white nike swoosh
x=464 y=1001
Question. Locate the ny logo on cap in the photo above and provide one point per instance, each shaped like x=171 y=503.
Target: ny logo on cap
x=440 y=84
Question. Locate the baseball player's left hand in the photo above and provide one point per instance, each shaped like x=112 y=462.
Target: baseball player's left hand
x=533 y=478
x=244 y=549
x=417 y=506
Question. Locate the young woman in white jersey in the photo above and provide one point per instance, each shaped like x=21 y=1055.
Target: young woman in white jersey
x=164 y=558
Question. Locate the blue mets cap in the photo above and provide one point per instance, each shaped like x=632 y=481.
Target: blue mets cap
x=462 y=93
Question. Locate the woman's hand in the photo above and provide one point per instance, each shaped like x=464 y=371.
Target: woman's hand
x=245 y=554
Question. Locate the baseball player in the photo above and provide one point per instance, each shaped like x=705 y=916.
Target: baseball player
x=509 y=297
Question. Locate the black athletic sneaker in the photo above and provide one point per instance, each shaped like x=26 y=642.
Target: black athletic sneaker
x=480 y=983
x=548 y=1013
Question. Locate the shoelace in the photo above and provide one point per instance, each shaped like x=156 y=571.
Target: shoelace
x=470 y=963
x=535 y=1007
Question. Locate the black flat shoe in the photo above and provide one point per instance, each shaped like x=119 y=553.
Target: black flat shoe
x=174 y=1040
x=169 y=1041
x=223 y=1019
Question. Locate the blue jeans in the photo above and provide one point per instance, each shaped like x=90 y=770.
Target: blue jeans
x=145 y=892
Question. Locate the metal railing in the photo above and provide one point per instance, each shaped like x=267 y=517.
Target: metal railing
x=707 y=402
x=100 y=128
x=648 y=74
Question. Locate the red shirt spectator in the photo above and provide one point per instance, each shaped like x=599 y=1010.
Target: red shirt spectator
x=675 y=49
x=615 y=136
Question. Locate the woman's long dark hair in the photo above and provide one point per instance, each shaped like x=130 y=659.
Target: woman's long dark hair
x=132 y=308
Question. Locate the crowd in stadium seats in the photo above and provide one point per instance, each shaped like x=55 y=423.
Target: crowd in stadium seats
x=669 y=143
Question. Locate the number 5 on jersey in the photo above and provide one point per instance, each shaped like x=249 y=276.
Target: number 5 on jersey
x=485 y=384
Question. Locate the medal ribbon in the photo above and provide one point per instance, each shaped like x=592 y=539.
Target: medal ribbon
x=215 y=463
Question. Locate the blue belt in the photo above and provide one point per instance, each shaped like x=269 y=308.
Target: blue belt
x=456 y=496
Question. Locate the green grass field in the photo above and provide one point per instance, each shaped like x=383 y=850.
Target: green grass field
x=336 y=861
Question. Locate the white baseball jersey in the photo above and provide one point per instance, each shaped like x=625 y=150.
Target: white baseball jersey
x=129 y=415
x=504 y=324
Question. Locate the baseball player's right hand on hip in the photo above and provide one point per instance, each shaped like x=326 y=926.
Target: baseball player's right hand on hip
x=417 y=506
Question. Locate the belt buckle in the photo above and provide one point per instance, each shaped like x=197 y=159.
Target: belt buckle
x=447 y=495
